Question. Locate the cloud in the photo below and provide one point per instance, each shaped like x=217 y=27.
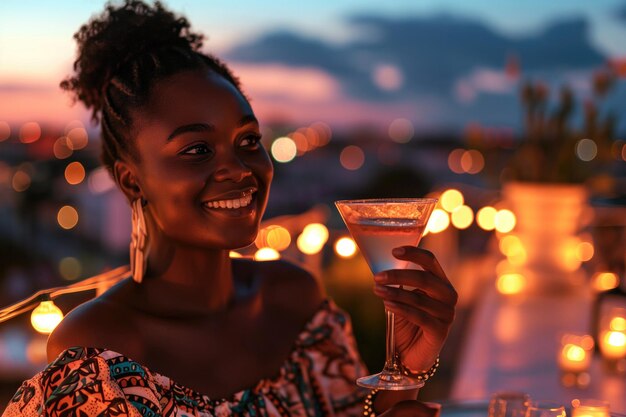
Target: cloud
x=484 y=80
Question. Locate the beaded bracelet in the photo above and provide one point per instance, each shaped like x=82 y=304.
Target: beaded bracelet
x=422 y=375
x=368 y=404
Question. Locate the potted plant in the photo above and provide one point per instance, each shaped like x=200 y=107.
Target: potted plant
x=547 y=181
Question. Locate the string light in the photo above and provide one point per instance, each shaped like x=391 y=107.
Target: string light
x=345 y=247
x=46 y=317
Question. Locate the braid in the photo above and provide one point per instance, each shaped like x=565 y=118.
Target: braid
x=122 y=54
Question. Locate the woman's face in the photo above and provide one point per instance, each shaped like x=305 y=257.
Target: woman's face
x=202 y=168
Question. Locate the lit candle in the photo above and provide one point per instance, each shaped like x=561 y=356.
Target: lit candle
x=590 y=408
x=613 y=344
x=575 y=354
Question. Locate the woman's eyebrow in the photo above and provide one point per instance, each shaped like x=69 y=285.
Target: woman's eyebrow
x=247 y=119
x=193 y=127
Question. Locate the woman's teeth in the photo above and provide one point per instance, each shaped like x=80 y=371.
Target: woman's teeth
x=230 y=204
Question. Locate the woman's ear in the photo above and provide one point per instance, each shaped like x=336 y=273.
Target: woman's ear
x=126 y=180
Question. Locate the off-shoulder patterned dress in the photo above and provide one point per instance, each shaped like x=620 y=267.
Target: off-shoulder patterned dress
x=317 y=379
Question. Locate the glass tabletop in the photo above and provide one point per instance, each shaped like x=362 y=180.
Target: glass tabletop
x=478 y=408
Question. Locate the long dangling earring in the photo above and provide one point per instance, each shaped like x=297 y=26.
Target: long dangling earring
x=138 y=242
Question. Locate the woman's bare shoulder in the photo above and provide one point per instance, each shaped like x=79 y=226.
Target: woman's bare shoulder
x=101 y=322
x=288 y=285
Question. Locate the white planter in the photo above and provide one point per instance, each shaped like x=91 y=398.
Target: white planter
x=549 y=217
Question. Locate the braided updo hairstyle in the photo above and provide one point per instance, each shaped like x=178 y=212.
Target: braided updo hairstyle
x=122 y=53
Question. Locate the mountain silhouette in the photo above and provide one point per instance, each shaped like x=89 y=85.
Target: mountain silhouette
x=434 y=54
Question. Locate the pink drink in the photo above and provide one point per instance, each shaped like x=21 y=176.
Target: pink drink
x=376 y=238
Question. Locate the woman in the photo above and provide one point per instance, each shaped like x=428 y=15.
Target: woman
x=195 y=332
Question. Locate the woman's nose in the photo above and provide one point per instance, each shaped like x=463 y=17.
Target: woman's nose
x=232 y=169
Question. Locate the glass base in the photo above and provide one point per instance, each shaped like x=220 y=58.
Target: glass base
x=390 y=382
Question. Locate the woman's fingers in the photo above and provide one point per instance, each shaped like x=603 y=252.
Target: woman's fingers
x=423 y=281
x=429 y=324
x=439 y=310
x=421 y=257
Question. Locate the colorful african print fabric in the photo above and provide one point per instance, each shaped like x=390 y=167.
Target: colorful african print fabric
x=317 y=379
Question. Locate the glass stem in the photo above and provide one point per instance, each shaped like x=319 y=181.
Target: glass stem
x=391 y=366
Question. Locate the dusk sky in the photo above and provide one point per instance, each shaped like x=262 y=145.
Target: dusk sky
x=36 y=45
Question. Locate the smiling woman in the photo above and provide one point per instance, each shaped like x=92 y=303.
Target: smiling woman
x=233 y=336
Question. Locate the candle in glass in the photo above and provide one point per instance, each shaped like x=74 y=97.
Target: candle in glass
x=575 y=353
x=590 y=408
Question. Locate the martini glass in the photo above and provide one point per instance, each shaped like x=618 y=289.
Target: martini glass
x=378 y=226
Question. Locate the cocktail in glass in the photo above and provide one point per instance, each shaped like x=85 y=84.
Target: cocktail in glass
x=378 y=226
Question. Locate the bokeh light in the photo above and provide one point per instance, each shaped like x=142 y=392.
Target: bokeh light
x=618 y=324
x=604 y=281
x=324 y=133
x=486 y=218
x=387 y=77
x=266 y=254
x=438 y=222
x=352 y=157
x=284 y=149
x=586 y=150
x=5 y=131
x=100 y=181
x=401 y=130
x=472 y=161
x=233 y=254
x=454 y=161
x=21 y=181
x=74 y=173
x=278 y=238
x=30 y=132
x=584 y=251
x=451 y=199
x=510 y=245
x=46 y=317
x=70 y=268
x=301 y=141
x=77 y=138
x=504 y=221
x=312 y=239
x=462 y=217
x=67 y=217
x=345 y=247
x=61 y=148
x=511 y=283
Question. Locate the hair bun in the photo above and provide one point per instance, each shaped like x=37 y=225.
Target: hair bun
x=121 y=34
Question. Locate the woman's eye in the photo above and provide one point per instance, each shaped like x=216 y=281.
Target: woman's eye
x=199 y=149
x=250 y=141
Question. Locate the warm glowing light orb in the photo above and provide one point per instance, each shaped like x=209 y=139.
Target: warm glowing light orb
x=313 y=238
x=618 y=324
x=46 y=317
x=100 y=181
x=511 y=283
x=283 y=149
x=510 y=245
x=614 y=338
x=345 y=247
x=5 y=131
x=30 y=132
x=584 y=251
x=451 y=199
x=266 y=254
x=438 y=222
x=74 y=173
x=67 y=217
x=504 y=221
x=401 y=130
x=77 y=138
x=70 y=268
x=233 y=254
x=454 y=161
x=61 y=148
x=486 y=218
x=21 y=181
x=352 y=157
x=462 y=217
x=574 y=353
x=278 y=238
x=604 y=281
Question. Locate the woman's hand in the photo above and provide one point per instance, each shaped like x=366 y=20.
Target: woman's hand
x=423 y=316
x=412 y=409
